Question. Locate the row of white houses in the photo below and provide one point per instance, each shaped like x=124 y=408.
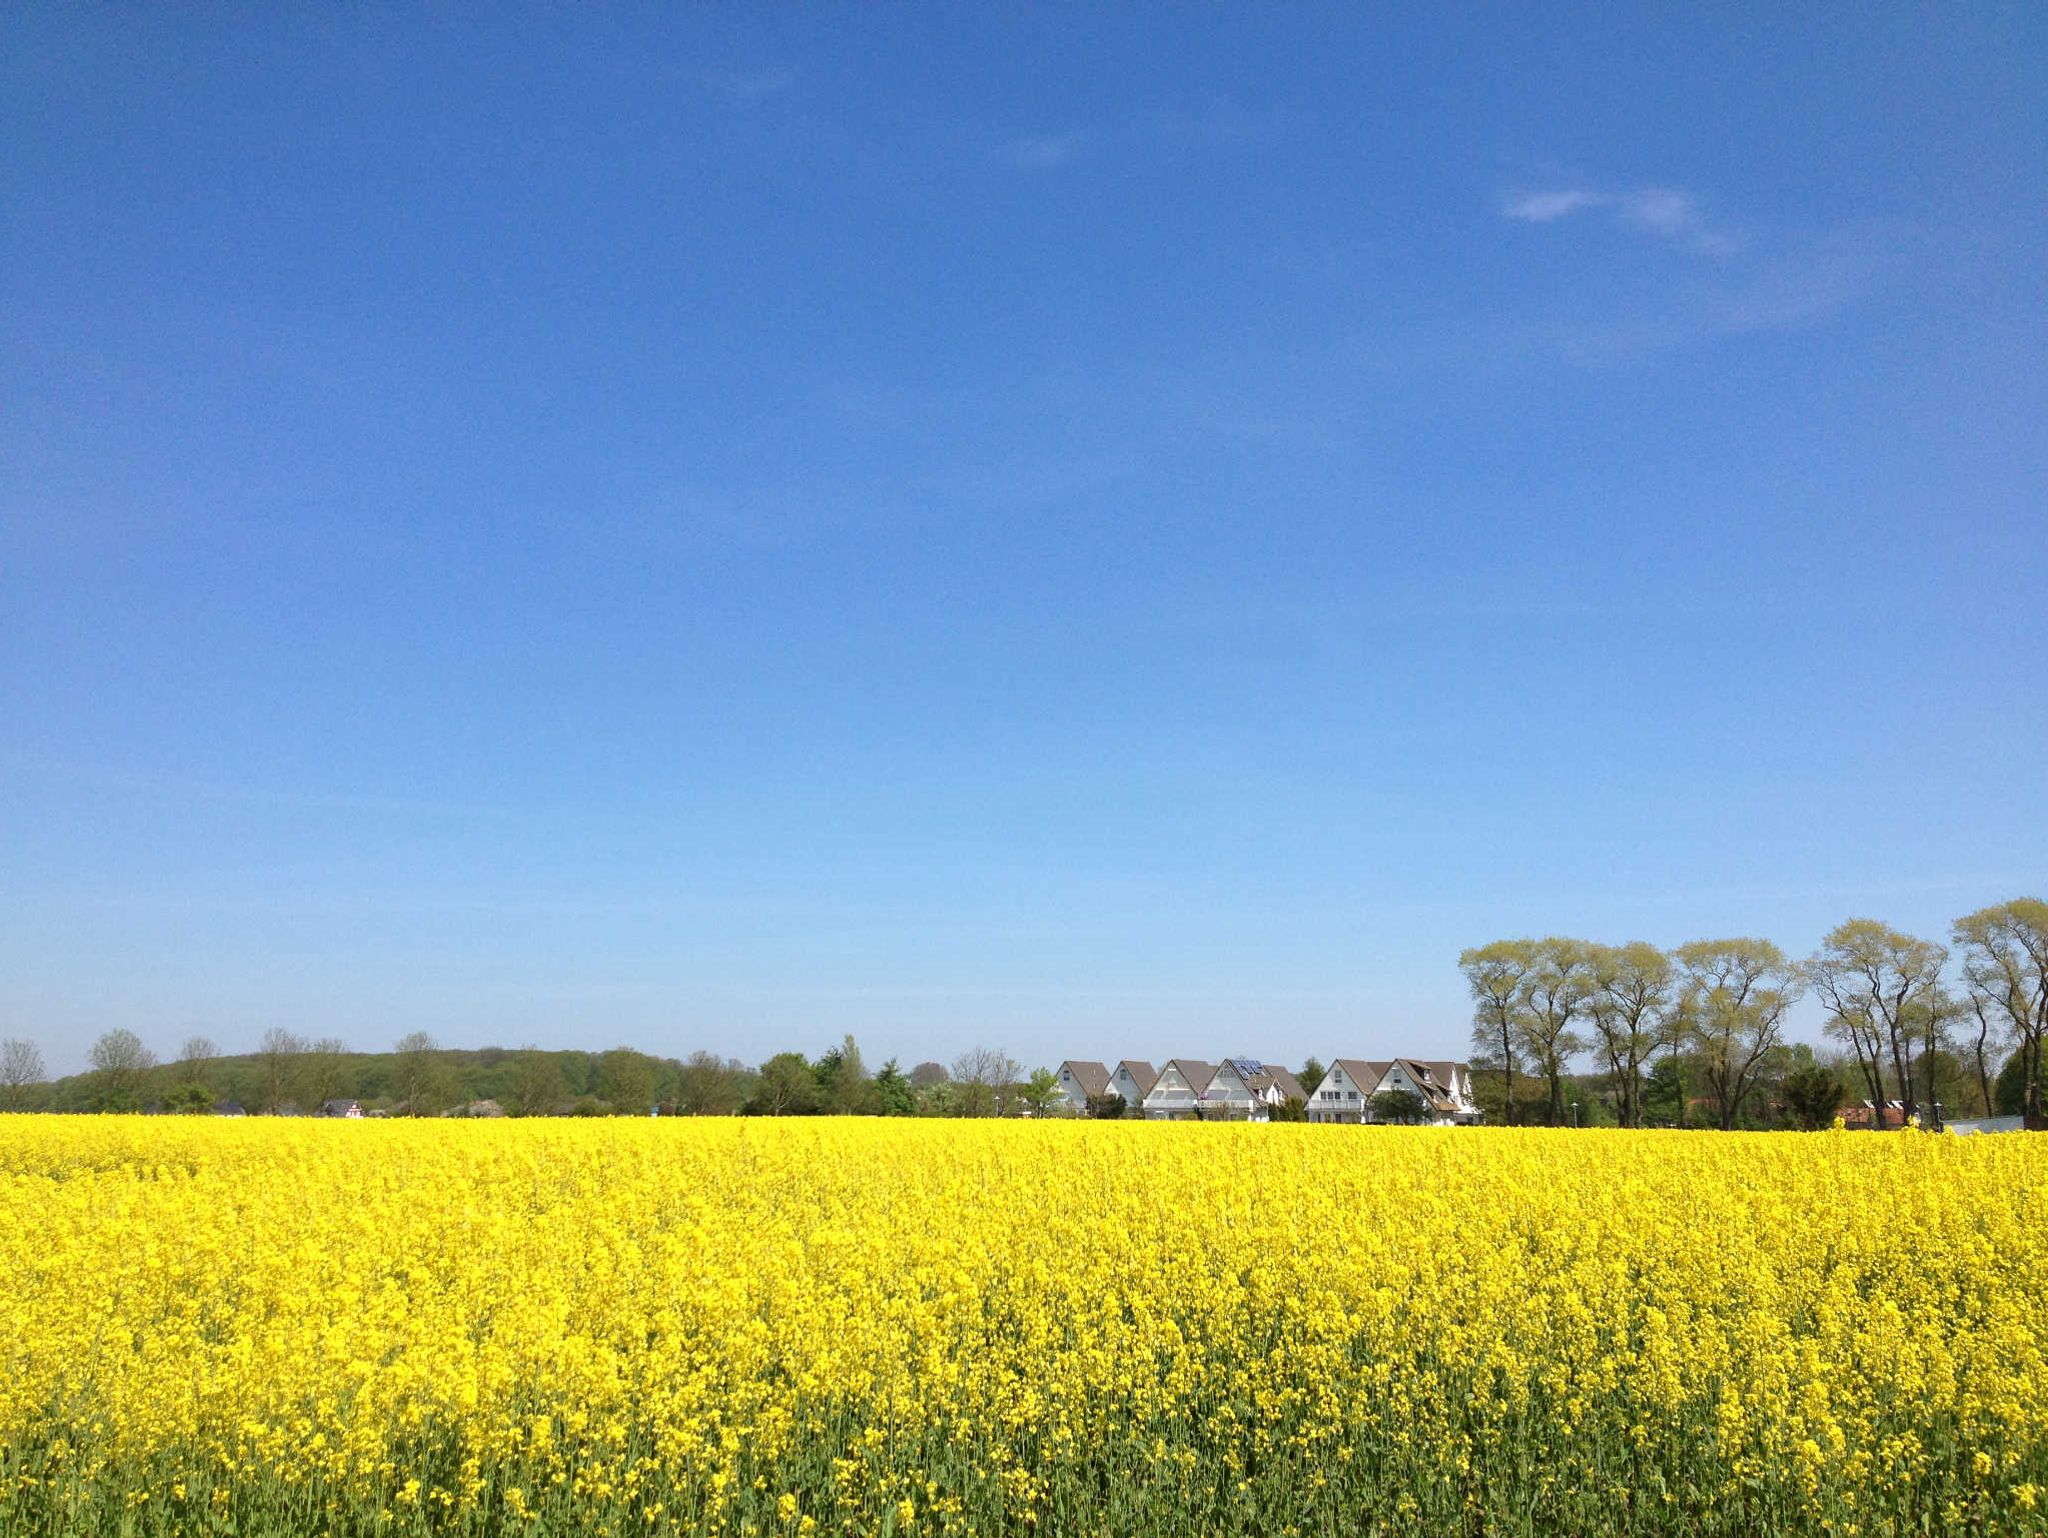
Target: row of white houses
x=1247 y=1089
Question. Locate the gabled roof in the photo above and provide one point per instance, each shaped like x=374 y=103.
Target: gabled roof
x=1243 y=1069
x=1193 y=1069
x=1275 y=1077
x=1258 y=1077
x=1435 y=1091
x=1142 y=1073
x=1365 y=1075
x=1092 y=1077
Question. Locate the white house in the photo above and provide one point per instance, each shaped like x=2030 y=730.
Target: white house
x=1444 y=1088
x=1178 y=1090
x=1245 y=1087
x=1133 y=1080
x=1082 y=1082
x=1345 y=1095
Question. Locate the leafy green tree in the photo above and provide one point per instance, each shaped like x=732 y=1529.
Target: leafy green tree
x=786 y=1087
x=628 y=1079
x=1293 y=1108
x=1665 y=1092
x=535 y=1087
x=893 y=1091
x=191 y=1098
x=1399 y=1107
x=708 y=1085
x=1813 y=1094
x=1732 y=1014
x=1042 y=1094
x=1498 y=976
x=1311 y=1076
x=2009 y=1091
x=119 y=1064
x=1668 y=1090
x=1947 y=1081
x=1107 y=1107
x=844 y=1088
x=942 y=1097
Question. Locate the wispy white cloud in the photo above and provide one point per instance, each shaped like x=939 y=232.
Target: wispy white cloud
x=1666 y=213
x=1045 y=152
x=1662 y=211
x=1543 y=207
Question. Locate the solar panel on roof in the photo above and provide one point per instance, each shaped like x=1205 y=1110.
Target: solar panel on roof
x=1245 y=1067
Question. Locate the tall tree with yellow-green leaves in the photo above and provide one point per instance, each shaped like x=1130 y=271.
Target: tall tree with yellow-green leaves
x=1555 y=993
x=1498 y=974
x=1880 y=987
x=1731 y=1011
x=1630 y=1008
x=2005 y=969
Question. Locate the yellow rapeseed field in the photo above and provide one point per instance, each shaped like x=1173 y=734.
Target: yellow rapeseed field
x=801 y=1327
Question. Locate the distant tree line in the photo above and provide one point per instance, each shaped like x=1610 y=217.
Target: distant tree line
x=290 y=1075
x=1564 y=1032
x=1915 y=1025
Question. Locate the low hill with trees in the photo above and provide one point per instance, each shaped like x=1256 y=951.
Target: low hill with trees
x=288 y=1075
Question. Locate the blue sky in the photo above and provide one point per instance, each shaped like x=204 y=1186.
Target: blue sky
x=1101 y=531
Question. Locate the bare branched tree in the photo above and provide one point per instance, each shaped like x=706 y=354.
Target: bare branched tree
x=417 y=1078
x=119 y=1061
x=21 y=1066
x=987 y=1078
x=323 y=1070
x=277 y=1057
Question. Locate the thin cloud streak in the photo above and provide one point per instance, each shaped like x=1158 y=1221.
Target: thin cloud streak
x=1665 y=213
x=1543 y=207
